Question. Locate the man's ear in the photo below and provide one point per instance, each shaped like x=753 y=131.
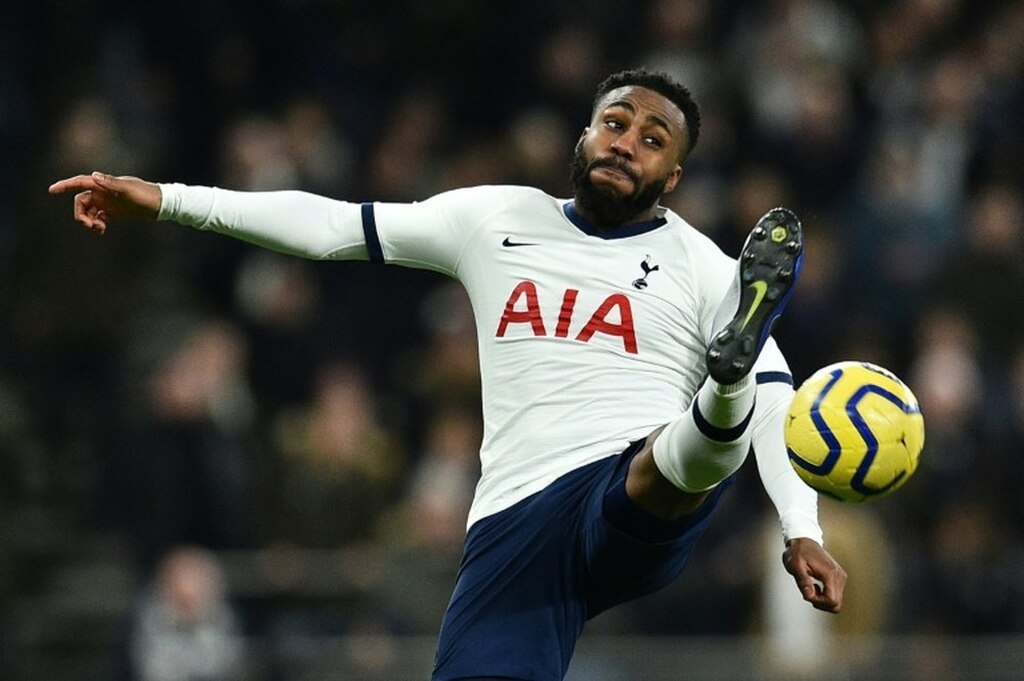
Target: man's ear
x=673 y=179
x=583 y=136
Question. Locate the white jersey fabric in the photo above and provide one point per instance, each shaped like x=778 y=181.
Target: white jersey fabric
x=588 y=340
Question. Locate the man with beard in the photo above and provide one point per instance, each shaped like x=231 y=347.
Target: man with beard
x=626 y=363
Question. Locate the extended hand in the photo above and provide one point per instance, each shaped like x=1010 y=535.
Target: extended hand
x=103 y=197
x=819 y=577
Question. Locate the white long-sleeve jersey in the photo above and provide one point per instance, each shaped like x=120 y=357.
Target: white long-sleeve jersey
x=588 y=340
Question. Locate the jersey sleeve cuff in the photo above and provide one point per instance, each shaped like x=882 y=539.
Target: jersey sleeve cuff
x=800 y=526
x=185 y=204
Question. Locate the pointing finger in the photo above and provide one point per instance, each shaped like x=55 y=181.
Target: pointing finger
x=76 y=183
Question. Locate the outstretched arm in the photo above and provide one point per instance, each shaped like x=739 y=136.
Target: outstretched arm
x=818 y=575
x=101 y=198
x=293 y=222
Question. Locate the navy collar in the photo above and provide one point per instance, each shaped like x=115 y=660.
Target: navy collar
x=633 y=229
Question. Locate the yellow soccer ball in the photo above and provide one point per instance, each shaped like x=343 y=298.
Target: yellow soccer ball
x=854 y=431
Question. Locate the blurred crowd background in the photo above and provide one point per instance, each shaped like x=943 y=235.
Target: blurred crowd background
x=222 y=463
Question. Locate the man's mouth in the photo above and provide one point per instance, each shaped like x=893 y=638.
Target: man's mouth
x=615 y=170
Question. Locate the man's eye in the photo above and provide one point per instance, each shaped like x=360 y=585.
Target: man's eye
x=613 y=124
x=654 y=142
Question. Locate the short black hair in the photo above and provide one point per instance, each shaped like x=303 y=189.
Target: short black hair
x=664 y=85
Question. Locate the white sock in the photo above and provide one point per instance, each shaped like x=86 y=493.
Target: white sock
x=726 y=405
x=711 y=440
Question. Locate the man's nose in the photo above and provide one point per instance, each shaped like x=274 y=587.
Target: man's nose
x=625 y=145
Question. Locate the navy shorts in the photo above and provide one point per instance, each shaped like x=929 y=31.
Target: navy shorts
x=531 y=575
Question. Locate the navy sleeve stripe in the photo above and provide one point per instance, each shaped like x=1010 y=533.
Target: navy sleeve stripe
x=370 y=233
x=774 y=377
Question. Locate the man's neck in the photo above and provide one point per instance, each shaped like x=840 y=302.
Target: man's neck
x=602 y=224
x=639 y=224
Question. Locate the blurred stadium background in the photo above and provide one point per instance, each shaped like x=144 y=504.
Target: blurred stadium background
x=257 y=468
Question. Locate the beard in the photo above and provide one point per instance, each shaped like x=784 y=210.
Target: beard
x=601 y=202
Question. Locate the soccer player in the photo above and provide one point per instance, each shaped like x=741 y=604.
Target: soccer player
x=626 y=364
